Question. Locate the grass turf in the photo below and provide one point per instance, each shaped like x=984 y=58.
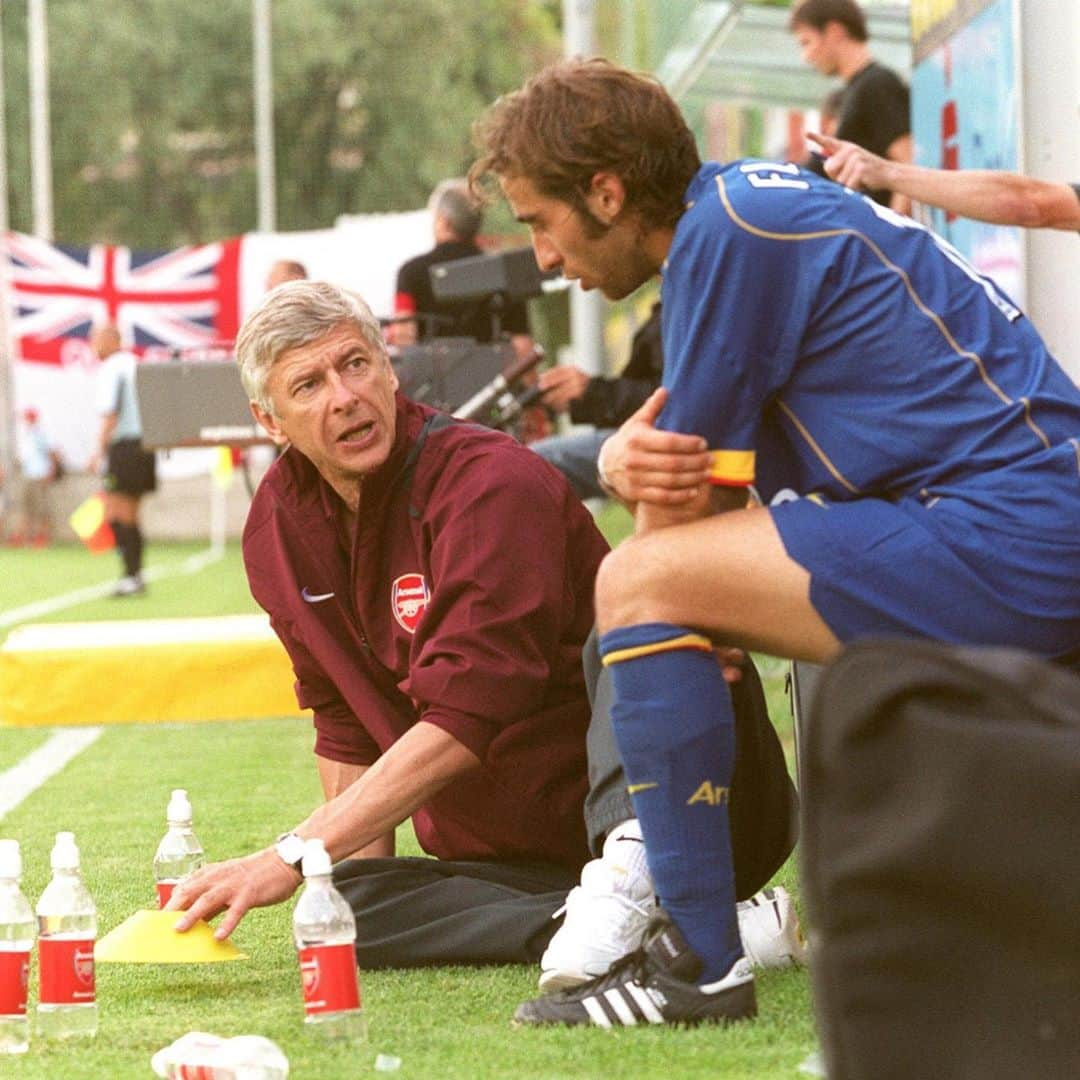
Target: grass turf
x=248 y=781
x=28 y=575
x=16 y=743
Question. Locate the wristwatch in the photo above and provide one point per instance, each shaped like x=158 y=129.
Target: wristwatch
x=290 y=849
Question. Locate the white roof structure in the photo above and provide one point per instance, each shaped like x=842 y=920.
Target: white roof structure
x=740 y=52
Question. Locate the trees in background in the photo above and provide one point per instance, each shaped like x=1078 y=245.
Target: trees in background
x=152 y=114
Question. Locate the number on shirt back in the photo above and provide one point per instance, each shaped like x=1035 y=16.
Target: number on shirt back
x=773 y=174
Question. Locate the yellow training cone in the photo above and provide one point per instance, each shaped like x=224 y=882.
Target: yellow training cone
x=148 y=937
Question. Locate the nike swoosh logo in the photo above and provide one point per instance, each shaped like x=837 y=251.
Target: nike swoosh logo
x=640 y=787
x=314 y=598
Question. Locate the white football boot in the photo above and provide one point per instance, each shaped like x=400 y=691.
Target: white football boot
x=605 y=916
x=770 y=931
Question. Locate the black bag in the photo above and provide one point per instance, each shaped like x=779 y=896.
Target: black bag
x=941 y=863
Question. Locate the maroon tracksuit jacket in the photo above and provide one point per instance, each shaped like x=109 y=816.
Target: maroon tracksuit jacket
x=465 y=601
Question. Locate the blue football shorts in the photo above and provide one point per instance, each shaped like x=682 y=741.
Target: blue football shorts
x=902 y=569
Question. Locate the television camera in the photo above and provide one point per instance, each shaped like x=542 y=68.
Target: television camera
x=472 y=380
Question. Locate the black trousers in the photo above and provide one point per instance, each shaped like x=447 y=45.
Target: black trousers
x=415 y=912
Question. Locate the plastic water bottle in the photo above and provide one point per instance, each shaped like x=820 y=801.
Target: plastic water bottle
x=67 y=927
x=199 y=1056
x=179 y=852
x=16 y=941
x=325 y=933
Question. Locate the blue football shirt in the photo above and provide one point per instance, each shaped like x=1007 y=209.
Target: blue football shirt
x=822 y=343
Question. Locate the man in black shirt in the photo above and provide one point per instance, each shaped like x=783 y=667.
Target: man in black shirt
x=875 y=113
x=456 y=221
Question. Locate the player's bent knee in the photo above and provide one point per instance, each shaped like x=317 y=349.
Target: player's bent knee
x=628 y=585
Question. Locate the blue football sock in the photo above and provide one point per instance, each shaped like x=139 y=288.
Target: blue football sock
x=675 y=730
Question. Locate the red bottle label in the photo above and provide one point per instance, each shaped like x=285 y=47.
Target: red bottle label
x=329 y=979
x=164 y=892
x=67 y=971
x=14 y=980
x=196 y=1072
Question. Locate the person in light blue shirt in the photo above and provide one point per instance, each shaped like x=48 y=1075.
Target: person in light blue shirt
x=130 y=471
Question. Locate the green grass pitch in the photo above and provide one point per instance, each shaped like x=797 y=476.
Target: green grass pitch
x=248 y=781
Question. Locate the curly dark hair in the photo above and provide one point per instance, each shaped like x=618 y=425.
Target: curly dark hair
x=580 y=117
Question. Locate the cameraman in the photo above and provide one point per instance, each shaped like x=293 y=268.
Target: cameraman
x=456 y=220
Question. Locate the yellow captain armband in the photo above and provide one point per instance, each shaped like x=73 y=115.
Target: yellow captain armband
x=731 y=468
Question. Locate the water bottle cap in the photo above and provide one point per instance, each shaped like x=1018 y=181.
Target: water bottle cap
x=65 y=855
x=10 y=859
x=316 y=860
x=179 y=808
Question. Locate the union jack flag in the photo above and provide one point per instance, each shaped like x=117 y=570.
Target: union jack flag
x=186 y=299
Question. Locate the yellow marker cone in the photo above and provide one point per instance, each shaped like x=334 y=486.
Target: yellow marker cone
x=148 y=937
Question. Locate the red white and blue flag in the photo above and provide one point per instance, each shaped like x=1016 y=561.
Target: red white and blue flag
x=191 y=300
x=188 y=299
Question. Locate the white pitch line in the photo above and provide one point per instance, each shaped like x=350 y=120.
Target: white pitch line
x=191 y=565
x=55 y=603
x=42 y=764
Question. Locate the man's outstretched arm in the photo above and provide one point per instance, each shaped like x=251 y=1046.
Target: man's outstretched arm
x=336 y=777
x=423 y=761
x=1001 y=198
x=902 y=151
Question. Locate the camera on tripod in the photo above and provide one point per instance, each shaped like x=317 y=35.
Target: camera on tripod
x=460 y=375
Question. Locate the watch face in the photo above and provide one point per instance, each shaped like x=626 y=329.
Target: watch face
x=291 y=849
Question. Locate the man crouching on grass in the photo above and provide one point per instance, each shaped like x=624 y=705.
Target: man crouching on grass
x=432 y=582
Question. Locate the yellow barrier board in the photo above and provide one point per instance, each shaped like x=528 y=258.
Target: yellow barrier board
x=144 y=671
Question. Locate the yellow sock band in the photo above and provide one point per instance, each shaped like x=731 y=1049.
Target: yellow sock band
x=683 y=641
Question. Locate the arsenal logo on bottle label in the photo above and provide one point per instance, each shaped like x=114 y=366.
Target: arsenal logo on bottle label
x=328 y=978
x=409 y=596
x=84 y=965
x=309 y=975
